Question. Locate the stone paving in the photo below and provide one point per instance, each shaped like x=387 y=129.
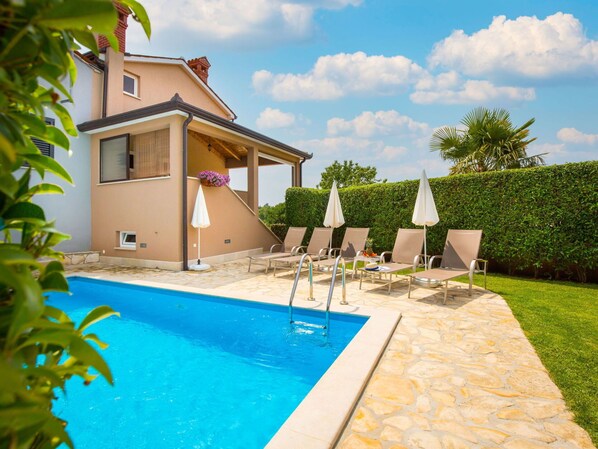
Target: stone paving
x=460 y=375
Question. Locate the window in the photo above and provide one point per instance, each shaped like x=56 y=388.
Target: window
x=138 y=156
x=114 y=158
x=47 y=149
x=128 y=239
x=131 y=84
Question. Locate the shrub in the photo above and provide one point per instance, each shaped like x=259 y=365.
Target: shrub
x=280 y=230
x=538 y=220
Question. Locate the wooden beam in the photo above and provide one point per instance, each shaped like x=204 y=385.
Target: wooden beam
x=242 y=163
x=225 y=148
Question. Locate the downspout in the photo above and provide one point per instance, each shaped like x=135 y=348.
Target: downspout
x=105 y=90
x=185 y=217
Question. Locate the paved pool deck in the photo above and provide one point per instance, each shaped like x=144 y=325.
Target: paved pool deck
x=460 y=375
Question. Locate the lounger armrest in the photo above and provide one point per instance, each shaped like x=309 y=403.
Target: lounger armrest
x=323 y=252
x=334 y=251
x=474 y=266
x=416 y=262
x=295 y=250
x=432 y=259
x=300 y=249
x=274 y=246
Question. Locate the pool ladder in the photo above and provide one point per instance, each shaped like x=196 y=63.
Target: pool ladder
x=339 y=260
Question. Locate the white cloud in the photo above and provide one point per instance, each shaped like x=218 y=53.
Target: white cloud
x=274 y=118
x=572 y=135
x=526 y=47
x=380 y=123
x=239 y=23
x=331 y=146
x=390 y=153
x=476 y=92
x=336 y=76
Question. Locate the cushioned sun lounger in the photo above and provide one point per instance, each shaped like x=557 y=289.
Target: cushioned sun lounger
x=460 y=256
x=292 y=242
x=406 y=253
x=317 y=249
x=352 y=246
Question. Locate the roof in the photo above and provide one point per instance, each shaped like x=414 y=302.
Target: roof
x=185 y=66
x=176 y=104
x=97 y=62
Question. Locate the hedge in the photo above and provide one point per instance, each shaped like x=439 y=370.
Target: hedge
x=537 y=220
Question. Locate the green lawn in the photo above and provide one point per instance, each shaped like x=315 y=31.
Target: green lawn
x=561 y=320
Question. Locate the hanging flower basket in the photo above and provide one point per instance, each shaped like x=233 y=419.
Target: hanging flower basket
x=210 y=178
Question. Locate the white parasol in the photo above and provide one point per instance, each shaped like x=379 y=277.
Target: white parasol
x=334 y=213
x=200 y=219
x=424 y=213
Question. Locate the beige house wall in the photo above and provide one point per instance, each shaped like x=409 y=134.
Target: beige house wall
x=199 y=158
x=152 y=208
x=230 y=219
x=159 y=82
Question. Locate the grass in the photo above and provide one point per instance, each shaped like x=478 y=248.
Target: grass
x=560 y=319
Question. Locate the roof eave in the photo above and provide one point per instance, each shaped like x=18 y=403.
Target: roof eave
x=176 y=104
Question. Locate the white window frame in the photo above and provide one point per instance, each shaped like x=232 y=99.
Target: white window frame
x=135 y=79
x=123 y=237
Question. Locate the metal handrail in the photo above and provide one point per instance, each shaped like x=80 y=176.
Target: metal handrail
x=311 y=283
x=339 y=259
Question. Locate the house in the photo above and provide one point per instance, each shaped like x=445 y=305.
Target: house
x=155 y=123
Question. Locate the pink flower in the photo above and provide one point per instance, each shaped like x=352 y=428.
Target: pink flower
x=214 y=178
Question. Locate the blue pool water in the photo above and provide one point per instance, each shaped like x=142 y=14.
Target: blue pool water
x=194 y=371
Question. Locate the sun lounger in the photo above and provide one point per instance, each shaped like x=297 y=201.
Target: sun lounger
x=352 y=246
x=317 y=249
x=460 y=257
x=406 y=253
x=292 y=243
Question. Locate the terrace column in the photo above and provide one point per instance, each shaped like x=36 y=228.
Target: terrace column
x=252 y=178
x=296 y=175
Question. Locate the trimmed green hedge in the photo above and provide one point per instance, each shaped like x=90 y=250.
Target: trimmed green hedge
x=540 y=220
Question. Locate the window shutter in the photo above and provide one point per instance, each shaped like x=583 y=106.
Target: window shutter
x=46 y=148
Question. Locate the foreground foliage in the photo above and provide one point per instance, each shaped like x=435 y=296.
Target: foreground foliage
x=539 y=220
x=40 y=347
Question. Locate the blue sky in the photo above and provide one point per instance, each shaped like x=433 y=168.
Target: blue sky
x=370 y=80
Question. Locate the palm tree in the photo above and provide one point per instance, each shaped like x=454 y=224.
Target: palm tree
x=489 y=143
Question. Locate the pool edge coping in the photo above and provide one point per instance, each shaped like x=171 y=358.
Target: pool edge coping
x=320 y=418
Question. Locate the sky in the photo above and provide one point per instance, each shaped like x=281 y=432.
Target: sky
x=370 y=80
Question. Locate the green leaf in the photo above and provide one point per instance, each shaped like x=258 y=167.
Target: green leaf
x=99 y=15
x=86 y=353
x=54 y=266
x=96 y=340
x=46 y=189
x=54 y=281
x=11 y=254
x=86 y=39
x=43 y=163
x=25 y=212
x=65 y=119
x=140 y=15
x=56 y=314
x=97 y=314
x=54 y=428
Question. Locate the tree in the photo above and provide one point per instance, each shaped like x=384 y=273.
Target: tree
x=347 y=174
x=490 y=142
x=272 y=214
x=40 y=347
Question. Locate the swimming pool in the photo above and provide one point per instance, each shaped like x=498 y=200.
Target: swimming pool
x=194 y=371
